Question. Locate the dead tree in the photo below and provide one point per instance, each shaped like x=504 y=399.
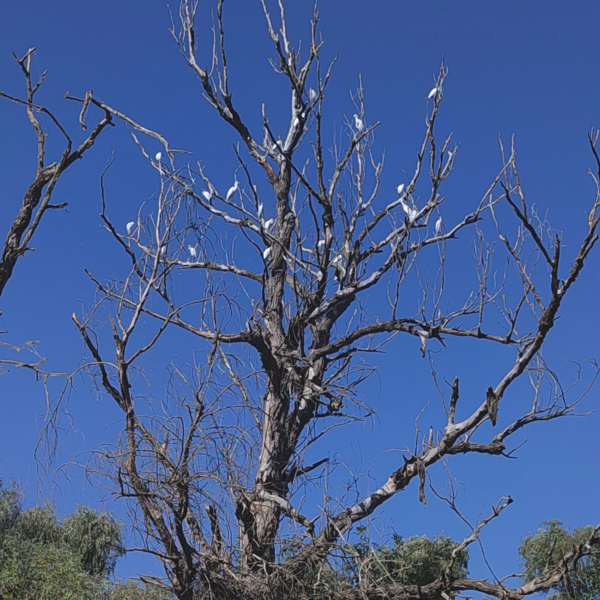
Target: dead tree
x=210 y=470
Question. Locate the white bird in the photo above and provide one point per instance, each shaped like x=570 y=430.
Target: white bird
x=320 y=243
x=266 y=253
x=260 y=209
x=432 y=93
x=163 y=252
x=192 y=251
x=207 y=195
x=232 y=190
x=340 y=269
x=158 y=156
x=296 y=122
x=130 y=227
x=312 y=95
x=400 y=189
x=411 y=211
x=438 y=225
x=358 y=123
x=268 y=224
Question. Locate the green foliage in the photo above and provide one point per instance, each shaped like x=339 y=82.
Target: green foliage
x=44 y=558
x=34 y=570
x=548 y=547
x=95 y=537
x=39 y=524
x=10 y=506
x=412 y=561
x=131 y=591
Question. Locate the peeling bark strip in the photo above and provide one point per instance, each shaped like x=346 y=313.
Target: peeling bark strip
x=215 y=486
x=492 y=405
x=39 y=193
x=421 y=473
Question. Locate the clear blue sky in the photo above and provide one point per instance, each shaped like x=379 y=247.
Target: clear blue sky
x=523 y=68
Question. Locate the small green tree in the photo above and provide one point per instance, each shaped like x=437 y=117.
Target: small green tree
x=45 y=558
x=416 y=560
x=34 y=563
x=548 y=547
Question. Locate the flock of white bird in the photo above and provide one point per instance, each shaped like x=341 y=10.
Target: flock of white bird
x=410 y=210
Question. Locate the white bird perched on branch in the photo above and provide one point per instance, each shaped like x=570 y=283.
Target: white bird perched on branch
x=232 y=190
x=320 y=243
x=312 y=95
x=163 y=252
x=207 y=195
x=130 y=227
x=268 y=224
x=400 y=189
x=158 y=156
x=438 y=225
x=411 y=211
x=358 y=123
x=260 y=210
x=266 y=253
x=432 y=93
x=340 y=270
x=192 y=251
